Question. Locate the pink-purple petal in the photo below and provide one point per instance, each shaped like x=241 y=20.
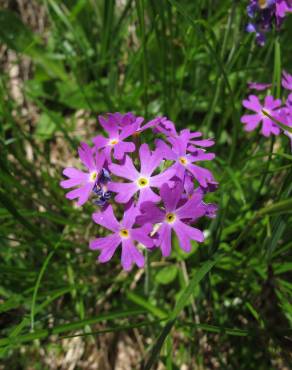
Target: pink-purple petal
x=126 y=170
x=109 y=126
x=108 y=247
x=147 y=195
x=185 y=234
x=251 y=120
x=165 y=239
x=71 y=183
x=131 y=255
x=100 y=141
x=106 y=218
x=86 y=156
x=150 y=213
x=190 y=208
x=121 y=148
x=74 y=173
x=141 y=235
x=202 y=175
x=158 y=180
x=171 y=196
x=252 y=103
x=84 y=196
x=125 y=191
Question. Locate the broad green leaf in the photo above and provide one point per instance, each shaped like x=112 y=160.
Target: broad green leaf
x=166 y=275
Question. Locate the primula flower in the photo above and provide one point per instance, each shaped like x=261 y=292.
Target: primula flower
x=116 y=138
x=253 y=120
x=140 y=181
x=172 y=218
x=285 y=117
x=123 y=234
x=191 y=139
x=86 y=181
x=184 y=162
x=167 y=127
x=287 y=81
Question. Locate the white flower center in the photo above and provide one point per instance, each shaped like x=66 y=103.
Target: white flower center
x=142 y=182
x=183 y=161
x=124 y=233
x=93 y=176
x=170 y=218
x=113 y=142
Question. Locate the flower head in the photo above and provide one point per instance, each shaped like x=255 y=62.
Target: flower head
x=140 y=180
x=84 y=181
x=253 y=120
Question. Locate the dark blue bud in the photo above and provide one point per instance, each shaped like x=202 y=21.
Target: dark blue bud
x=105 y=176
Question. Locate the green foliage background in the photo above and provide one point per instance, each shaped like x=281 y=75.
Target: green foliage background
x=227 y=304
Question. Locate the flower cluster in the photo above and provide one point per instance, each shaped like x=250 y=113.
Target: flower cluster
x=155 y=190
x=263 y=14
x=279 y=109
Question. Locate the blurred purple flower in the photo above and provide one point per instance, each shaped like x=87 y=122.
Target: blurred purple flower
x=258 y=86
x=252 y=121
x=287 y=81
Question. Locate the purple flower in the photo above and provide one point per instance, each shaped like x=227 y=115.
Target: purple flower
x=85 y=181
x=259 y=86
x=123 y=234
x=116 y=136
x=173 y=217
x=125 y=120
x=184 y=162
x=285 y=117
x=166 y=127
x=140 y=181
x=252 y=120
x=283 y=7
x=287 y=81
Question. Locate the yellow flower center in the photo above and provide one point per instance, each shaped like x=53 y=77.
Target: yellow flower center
x=124 y=233
x=183 y=161
x=142 y=182
x=113 y=142
x=93 y=176
x=262 y=3
x=170 y=218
